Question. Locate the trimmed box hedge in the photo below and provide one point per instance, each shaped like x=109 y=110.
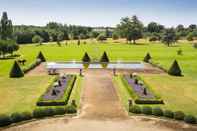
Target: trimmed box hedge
x=64 y=99
x=32 y=66
x=137 y=98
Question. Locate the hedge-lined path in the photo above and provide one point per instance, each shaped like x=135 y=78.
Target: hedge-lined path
x=100 y=99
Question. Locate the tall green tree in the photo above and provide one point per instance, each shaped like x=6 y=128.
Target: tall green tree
x=169 y=37
x=6 y=29
x=131 y=28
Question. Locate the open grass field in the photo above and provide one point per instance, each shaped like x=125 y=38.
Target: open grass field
x=180 y=93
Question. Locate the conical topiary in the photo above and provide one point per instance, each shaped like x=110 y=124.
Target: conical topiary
x=16 y=71
x=175 y=69
x=147 y=58
x=104 y=57
x=86 y=58
x=41 y=57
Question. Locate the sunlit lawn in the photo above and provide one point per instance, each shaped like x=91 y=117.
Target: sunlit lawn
x=19 y=95
x=179 y=93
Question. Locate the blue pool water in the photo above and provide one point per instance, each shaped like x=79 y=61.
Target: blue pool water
x=54 y=65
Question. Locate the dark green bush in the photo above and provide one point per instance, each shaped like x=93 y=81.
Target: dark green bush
x=147 y=110
x=70 y=109
x=195 y=45
x=86 y=58
x=26 y=115
x=175 y=69
x=135 y=109
x=168 y=114
x=59 y=111
x=41 y=57
x=104 y=58
x=179 y=115
x=32 y=66
x=147 y=58
x=157 y=111
x=17 y=117
x=190 y=119
x=39 y=113
x=5 y=120
x=16 y=71
x=141 y=101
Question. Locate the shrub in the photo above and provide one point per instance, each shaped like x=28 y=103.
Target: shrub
x=179 y=52
x=179 y=115
x=16 y=71
x=16 y=117
x=175 y=69
x=115 y=36
x=168 y=114
x=157 y=111
x=153 y=38
x=190 y=119
x=86 y=58
x=147 y=58
x=101 y=37
x=135 y=109
x=59 y=111
x=5 y=120
x=195 y=45
x=147 y=110
x=70 y=109
x=41 y=57
x=26 y=115
x=104 y=58
x=32 y=66
x=153 y=101
x=39 y=113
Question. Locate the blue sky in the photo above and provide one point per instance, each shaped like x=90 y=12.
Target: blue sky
x=100 y=12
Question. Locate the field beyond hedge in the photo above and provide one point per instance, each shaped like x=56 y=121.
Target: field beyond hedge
x=179 y=93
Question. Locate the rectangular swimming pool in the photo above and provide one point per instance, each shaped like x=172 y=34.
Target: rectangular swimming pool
x=70 y=65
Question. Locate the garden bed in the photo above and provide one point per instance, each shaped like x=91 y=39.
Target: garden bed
x=58 y=92
x=140 y=91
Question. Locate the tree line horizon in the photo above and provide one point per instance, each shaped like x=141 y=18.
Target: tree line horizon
x=130 y=28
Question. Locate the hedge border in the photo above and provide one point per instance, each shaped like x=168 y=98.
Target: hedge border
x=137 y=98
x=189 y=119
x=37 y=114
x=32 y=66
x=64 y=99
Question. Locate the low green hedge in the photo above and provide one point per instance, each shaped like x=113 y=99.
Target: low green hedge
x=157 y=111
x=5 y=120
x=190 y=119
x=62 y=101
x=147 y=110
x=168 y=114
x=40 y=112
x=179 y=115
x=137 y=98
x=70 y=109
x=135 y=109
x=32 y=66
x=18 y=117
x=149 y=101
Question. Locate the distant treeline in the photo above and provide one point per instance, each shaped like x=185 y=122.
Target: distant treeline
x=130 y=28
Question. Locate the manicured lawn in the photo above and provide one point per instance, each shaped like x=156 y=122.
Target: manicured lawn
x=76 y=91
x=178 y=93
x=19 y=95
